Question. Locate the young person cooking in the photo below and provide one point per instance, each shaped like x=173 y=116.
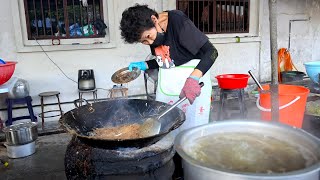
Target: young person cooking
x=184 y=57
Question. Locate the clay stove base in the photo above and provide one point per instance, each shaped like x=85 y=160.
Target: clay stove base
x=153 y=162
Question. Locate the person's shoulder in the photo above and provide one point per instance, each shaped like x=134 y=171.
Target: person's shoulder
x=177 y=14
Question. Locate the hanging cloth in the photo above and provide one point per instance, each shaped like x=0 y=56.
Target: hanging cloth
x=285 y=62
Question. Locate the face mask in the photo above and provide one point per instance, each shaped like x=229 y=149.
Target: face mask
x=159 y=39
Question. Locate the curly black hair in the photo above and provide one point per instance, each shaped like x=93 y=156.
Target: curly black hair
x=135 y=20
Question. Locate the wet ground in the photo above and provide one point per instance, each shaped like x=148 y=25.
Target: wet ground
x=48 y=161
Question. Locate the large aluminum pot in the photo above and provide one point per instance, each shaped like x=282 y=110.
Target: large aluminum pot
x=196 y=169
x=21 y=133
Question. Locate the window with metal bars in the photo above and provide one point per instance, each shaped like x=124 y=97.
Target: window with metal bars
x=65 y=19
x=217 y=16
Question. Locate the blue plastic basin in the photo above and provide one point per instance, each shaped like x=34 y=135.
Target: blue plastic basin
x=313 y=70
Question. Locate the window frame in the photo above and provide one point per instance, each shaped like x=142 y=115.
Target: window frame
x=213 y=12
x=66 y=21
x=23 y=44
x=256 y=16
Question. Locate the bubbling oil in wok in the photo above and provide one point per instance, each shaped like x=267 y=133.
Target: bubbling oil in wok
x=253 y=153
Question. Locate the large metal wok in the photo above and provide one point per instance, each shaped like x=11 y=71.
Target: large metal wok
x=83 y=120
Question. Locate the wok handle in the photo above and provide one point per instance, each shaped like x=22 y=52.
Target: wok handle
x=177 y=103
x=179 y=123
x=78 y=100
x=62 y=124
x=171 y=107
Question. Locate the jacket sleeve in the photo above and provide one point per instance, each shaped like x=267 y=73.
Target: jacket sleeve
x=208 y=54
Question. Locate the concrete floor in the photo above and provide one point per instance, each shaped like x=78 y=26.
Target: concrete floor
x=48 y=161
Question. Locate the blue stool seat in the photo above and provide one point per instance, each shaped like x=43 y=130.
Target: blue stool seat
x=26 y=100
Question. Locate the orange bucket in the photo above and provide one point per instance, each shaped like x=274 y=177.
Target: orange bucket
x=292 y=103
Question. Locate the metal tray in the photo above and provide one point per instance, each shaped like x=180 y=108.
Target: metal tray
x=124 y=75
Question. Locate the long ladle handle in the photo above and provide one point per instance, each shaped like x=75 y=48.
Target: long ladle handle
x=176 y=103
x=255 y=79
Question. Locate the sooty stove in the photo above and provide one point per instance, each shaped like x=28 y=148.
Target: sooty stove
x=83 y=161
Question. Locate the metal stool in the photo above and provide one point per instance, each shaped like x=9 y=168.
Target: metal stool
x=152 y=76
x=45 y=95
x=116 y=89
x=223 y=99
x=94 y=93
x=26 y=100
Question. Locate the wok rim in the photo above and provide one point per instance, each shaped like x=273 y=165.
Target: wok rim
x=149 y=139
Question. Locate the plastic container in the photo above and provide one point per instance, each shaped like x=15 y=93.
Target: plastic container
x=292 y=103
x=6 y=71
x=232 y=81
x=313 y=70
x=289 y=76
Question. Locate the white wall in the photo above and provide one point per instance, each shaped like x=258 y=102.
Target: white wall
x=304 y=34
x=252 y=53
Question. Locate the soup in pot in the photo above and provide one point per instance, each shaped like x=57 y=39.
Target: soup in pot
x=248 y=152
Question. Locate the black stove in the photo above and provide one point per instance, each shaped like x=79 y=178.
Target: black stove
x=156 y=161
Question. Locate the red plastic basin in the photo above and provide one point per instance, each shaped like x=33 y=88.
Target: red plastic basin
x=232 y=81
x=6 y=71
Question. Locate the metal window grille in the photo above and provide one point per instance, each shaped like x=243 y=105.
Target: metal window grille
x=64 y=19
x=217 y=16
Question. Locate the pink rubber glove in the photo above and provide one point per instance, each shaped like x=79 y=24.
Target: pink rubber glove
x=191 y=89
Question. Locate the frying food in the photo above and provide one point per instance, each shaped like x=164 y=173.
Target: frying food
x=127 y=131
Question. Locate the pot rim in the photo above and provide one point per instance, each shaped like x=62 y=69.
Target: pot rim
x=11 y=127
x=178 y=146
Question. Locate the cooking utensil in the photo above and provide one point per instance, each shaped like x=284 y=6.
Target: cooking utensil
x=19 y=151
x=196 y=169
x=255 y=79
x=2 y=61
x=22 y=133
x=20 y=89
x=124 y=75
x=152 y=125
x=112 y=113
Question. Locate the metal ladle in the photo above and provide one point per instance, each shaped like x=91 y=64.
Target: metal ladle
x=255 y=80
x=152 y=125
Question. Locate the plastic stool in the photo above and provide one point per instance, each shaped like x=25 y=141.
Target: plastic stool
x=26 y=100
x=49 y=94
x=223 y=99
x=94 y=94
